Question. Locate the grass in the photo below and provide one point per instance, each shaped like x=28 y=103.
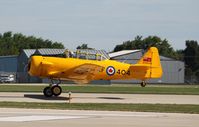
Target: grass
x=168 y=108
x=126 y=89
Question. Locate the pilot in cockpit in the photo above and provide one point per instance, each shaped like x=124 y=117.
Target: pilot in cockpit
x=69 y=54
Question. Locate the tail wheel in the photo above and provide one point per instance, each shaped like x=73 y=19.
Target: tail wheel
x=143 y=84
x=47 y=92
x=56 y=90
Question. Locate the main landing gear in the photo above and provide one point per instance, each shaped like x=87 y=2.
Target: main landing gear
x=143 y=84
x=52 y=89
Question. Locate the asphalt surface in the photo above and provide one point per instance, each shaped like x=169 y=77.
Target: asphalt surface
x=74 y=118
x=10 y=117
x=101 y=98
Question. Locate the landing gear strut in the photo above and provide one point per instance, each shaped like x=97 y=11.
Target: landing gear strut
x=52 y=89
x=143 y=84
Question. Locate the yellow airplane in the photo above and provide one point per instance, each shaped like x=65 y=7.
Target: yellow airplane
x=84 y=67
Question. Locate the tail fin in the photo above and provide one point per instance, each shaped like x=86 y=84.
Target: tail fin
x=148 y=66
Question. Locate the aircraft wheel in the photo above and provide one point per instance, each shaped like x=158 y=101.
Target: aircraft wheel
x=143 y=83
x=47 y=92
x=56 y=90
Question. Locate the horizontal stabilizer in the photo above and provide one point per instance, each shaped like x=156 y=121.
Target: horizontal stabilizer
x=140 y=66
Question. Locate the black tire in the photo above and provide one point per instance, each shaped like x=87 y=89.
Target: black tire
x=48 y=92
x=143 y=84
x=56 y=90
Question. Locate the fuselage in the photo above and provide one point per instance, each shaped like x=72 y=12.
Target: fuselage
x=84 y=69
x=41 y=66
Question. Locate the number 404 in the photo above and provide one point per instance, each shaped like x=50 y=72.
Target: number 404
x=123 y=72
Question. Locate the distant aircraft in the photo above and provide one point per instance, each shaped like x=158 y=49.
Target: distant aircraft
x=85 y=67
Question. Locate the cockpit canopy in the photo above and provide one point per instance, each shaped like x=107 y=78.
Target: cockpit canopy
x=89 y=54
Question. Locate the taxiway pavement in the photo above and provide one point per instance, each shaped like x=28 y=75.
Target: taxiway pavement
x=10 y=117
x=101 y=98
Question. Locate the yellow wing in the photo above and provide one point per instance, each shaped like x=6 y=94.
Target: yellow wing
x=81 y=74
x=85 y=73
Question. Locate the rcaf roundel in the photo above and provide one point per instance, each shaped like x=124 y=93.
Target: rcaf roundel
x=110 y=70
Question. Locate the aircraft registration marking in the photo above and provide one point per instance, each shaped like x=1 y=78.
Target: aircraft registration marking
x=123 y=72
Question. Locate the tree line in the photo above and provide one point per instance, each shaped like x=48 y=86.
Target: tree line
x=12 y=44
x=165 y=49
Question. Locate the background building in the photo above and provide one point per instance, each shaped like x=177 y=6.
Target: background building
x=8 y=66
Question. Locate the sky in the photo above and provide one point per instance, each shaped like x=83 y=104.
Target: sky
x=102 y=24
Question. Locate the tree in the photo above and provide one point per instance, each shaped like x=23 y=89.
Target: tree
x=163 y=46
x=191 y=54
x=83 y=46
x=180 y=54
x=191 y=58
x=12 y=44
